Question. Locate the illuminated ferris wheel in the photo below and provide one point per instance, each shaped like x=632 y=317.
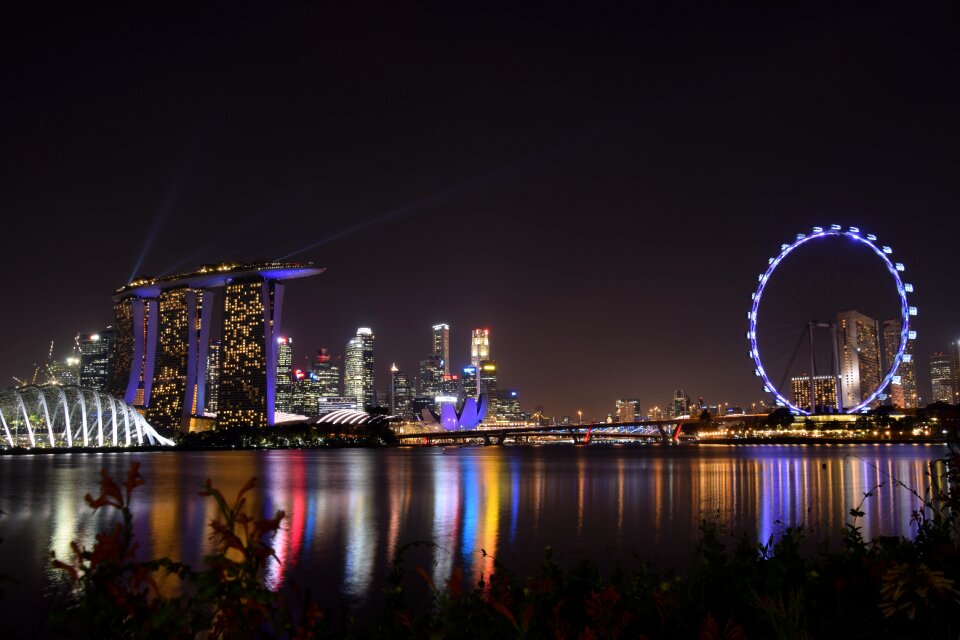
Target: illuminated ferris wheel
x=830 y=322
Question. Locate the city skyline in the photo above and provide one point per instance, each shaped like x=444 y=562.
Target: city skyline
x=631 y=175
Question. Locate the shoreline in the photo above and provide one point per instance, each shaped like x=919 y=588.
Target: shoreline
x=791 y=441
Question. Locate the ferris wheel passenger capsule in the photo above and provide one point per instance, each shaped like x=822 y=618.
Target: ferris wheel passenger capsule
x=854 y=230
x=912 y=335
x=835 y=227
x=907 y=357
x=908 y=287
x=899 y=266
x=818 y=229
x=871 y=237
x=913 y=311
x=887 y=250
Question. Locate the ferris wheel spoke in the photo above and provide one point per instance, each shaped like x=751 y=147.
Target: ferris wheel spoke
x=839 y=273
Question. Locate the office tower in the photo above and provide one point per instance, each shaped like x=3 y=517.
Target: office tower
x=469 y=384
x=681 y=404
x=95 y=352
x=479 y=346
x=441 y=345
x=63 y=372
x=858 y=344
x=628 y=410
x=903 y=388
x=941 y=378
x=182 y=336
x=248 y=362
x=326 y=374
x=358 y=369
x=826 y=390
x=508 y=405
x=213 y=376
x=431 y=376
x=285 y=374
x=488 y=387
x=401 y=394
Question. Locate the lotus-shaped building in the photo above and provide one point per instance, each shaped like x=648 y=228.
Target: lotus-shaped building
x=470 y=415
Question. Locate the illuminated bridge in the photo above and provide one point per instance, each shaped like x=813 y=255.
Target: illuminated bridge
x=668 y=431
x=159 y=358
x=68 y=416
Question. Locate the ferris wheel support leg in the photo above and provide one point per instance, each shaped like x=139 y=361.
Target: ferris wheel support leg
x=813 y=388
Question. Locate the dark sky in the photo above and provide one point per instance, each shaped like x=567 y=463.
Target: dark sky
x=599 y=188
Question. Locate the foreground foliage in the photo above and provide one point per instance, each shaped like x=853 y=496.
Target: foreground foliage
x=889 y=587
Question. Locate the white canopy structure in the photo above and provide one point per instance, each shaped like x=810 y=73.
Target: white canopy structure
x=55 y=416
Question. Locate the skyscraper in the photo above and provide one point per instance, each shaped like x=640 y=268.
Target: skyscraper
x=903 y=388
x=248 y=363
x=431 y=376
x=213 y=376
x=941 y=378
x=469 y=383
x=858 y=343
x=181 y=360
x=508 y=405
x=358 y=366
x=826 y=389
x=95 y=359
x=628 y=410
x=479 y=346
x=488 y=387
x=285 y=374
x=441 y=345
x=326 y=374
x=681 y=404
x=401 y=395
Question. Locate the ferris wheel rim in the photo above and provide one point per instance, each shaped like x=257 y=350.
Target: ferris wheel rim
x=906 y=311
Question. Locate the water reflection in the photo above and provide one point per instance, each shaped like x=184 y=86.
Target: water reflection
x=349 y=512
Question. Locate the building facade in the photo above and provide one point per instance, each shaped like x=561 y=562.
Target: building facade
x=183 y=318
x=213 y=376
x=248 y=366
x=508 y=405
x=903 y=388
x=488 y=387
x=441 y=345
x=826 y=392
x=479 y=346
x=95 y=353
x=401 y=394
x=941 y=378
x=284 y=374
x=358 y=369
x=627 y=410
x=858 y=345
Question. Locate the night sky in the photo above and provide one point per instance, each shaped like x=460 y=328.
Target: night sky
x=599 y=188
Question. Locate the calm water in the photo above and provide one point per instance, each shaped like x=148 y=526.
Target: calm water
x=349 y=511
